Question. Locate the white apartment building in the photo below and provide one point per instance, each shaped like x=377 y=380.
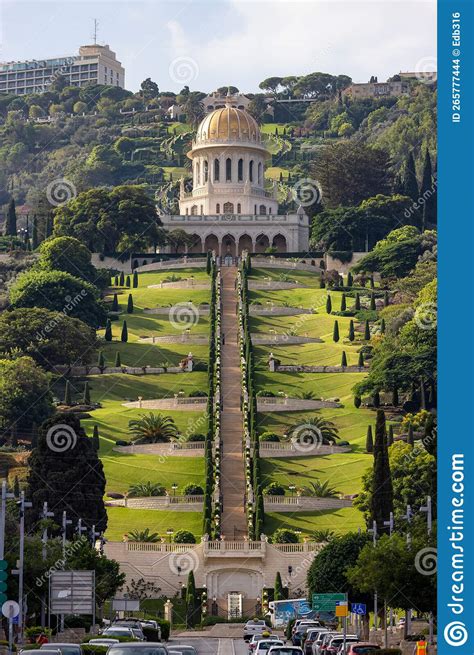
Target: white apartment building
x=95 y=64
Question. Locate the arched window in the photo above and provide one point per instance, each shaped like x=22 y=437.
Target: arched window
x=228 y=208
x=198 y=174
x=228 y=169
x=202 y=210
x=240 y=170
x=187 y=211
x=216 y=170
x=206 y=171
x=218 y=208
x=260 y=173
x=263 y=210
x=255 y=209
x=251 y=170
x=194 y=210
x=239 y=208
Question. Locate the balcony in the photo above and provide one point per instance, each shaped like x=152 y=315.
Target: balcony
x=232 y=549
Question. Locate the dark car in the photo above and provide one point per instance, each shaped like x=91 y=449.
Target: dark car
x=138 y=648
x=64 y=649
x=182 y=650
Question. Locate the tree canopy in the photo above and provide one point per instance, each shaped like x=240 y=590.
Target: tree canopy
x=24 y=393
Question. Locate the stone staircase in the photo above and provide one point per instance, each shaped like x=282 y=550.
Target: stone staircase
x=234 y=523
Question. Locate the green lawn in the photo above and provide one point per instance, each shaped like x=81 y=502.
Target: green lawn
x=347 y=519
x=123 y=520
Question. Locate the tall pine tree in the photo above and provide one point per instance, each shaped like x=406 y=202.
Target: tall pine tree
x=382 y=490
x=10 y=226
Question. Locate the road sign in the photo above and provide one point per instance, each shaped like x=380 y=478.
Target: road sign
x=72 y=592
x=342 y=609
x=3 y=564
x=359 y=608
x=326 y=602
x=10 y=609
x=125 y=605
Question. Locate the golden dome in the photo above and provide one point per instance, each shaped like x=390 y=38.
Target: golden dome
x=228 y=124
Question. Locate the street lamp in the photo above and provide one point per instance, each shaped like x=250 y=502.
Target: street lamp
x=169 y=532
x=292 y=488
x=174 y=486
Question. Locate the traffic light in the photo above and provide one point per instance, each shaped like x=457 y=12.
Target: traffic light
x=3 y=580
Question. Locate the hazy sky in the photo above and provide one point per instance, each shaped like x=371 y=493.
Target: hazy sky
x=209 y=44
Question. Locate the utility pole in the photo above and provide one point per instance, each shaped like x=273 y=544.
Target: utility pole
x=65 y=523
x=429 y=514
x=44 y=541
x=96 y=28
x=19 y=571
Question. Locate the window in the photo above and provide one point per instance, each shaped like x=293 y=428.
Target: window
x=202 y=210
x=263 y=210
x=239 y=208
x=255 y=209
x=198 y=174
x=240 y=170
x=218 y=208
x=228 y=208
x=194 y=210
x=187 y=211
x=216 y=170
x=260 y=173
x=206 y=171
x=251 y=170
x=228 y=169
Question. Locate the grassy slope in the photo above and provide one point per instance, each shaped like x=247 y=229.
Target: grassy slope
x=122 y=521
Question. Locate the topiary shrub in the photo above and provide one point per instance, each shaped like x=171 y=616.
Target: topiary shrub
x=193 y=490
x=184 y=537
x=284 y=536
x=269 y=436
x=275 y=489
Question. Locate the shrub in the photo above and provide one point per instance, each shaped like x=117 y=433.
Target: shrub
x=369 y=442
x=196 y=437
x=344 y=359
x=357 y=401
x=343 y=302
x=193 y=490
x=328 y=304
x=198 y=394
x=165 y=629
x=184 y=537
x=269 y=436
x=275 y=489
x=284 y=536
x=351 y=331
x=266 y=394
x=335 y=332
x=366 y=331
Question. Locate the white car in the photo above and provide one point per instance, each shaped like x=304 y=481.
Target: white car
x=104 y=642
x=337 y=641
x=117 y=631
x=264 y=645
x=285 y=650
x=322 y=639
x=311 y=637
x=254 y=627
x=256 y=638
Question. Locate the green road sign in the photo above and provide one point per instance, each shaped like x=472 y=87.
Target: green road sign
x=3 y=564
x=3 y=576
x=326 y=602
x=3 y=586
x=3 y=598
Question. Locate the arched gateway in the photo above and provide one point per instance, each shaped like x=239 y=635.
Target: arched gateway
x=230 y=198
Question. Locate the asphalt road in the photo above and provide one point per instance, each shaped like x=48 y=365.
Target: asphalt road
x=212 y=645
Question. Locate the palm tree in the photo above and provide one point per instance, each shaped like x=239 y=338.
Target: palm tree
x=146 y=489
x=306 y=395
x=324 y=430
x=194 y=109
x=144 y=536
x=322 y=536
x=320 y=489
x=153 y=428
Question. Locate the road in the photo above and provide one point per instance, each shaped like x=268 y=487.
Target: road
x=212 y=646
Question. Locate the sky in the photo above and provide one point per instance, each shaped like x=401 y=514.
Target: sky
x=239 y=42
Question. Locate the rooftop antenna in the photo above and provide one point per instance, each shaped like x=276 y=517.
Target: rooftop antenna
x=96 y=27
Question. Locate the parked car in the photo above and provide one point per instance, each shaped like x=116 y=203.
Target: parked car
x=118 y=631
x=254 y=627
x=48 y=651
x=336 y=642
x=182 y=650
x=138 y=648
x=103 y=642
x=64 y=649
x=361 y=648
x=256 y=638
x=264 y=645
x=311 y=636
x=299 y=635
x=322 y=639
x=285 y=650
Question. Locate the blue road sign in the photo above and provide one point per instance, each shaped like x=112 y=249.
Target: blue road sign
x=359 y=608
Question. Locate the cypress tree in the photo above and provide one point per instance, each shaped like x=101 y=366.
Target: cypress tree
x=369 y=440
x=116 y=280
x=343 y=302
x=259 y=514
x=115 y=305
x=360 y=363
x=95 y=437
x=351 y=331
x=373 y=306
x=16 y=487
x=122 y=279
x=390 y=435
x=101 y=360
x=386 y=299
x=130 y=304
x=108 y=330
x=10 y=225
x=67 y=393
x=350 y=280
x=422 y=395
x=127 y=281
x=87 y=396
x=335 y=332
x=208 y=262
x=357 y=302
x=135 y=280
x=372 y=282
x=328 y=304
x=382 y=491
x=376 y=399
x=191 y=613
x=357 y=401
x=344 y=359
x=118 y=362
x=427 y=192
x=410 y=183
x=411 y=436
x=322 y=283
x=395 y=400
x=278 y=591
x=124 y=335
x=367 y=331
x=34 y=234
x=382 y=326
x=429 y=438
